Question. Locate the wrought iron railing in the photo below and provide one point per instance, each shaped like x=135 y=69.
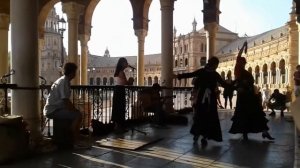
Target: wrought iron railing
x=96 y=101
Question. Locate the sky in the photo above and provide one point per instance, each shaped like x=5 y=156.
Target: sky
x=112 y=25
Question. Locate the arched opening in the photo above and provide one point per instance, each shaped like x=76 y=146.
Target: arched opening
x=265 y=73
x=104 y=81
x=155 y=79
x=98 y=81
x=282 y=71
x=149 y=81
x=91 y=81
x=223 y=75
x=111 y=81
x=257 y=74
x=250 y=70
x=273 y=72
x=229 y=74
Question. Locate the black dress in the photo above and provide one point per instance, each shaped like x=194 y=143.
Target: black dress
x=119 y=105
x=206 y=120
x=249 y=116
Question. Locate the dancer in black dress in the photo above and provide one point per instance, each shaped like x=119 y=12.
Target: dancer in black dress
x=249 y=116
x=206 y=120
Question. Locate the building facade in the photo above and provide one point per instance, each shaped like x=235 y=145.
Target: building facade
x=51 y=50
x=271 y=57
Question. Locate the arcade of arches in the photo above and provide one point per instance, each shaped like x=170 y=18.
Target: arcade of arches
x=27 y=20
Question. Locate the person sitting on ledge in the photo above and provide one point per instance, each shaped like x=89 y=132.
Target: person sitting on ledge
x=277 y=101
x=152 y=101
x=58 y=103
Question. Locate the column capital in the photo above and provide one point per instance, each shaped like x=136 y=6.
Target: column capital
x=84 y=39
x=167 y=4
x=211 y=27
x=72 y=9
x=4 y=21
x=141 y=33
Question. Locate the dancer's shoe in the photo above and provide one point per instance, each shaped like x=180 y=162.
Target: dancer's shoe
x=267 y=135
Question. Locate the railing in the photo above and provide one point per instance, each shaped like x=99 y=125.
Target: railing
x=96 y=101
x=4 y=96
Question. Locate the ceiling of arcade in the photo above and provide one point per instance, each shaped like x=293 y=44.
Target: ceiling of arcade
x=140 y=10
x=140 y=13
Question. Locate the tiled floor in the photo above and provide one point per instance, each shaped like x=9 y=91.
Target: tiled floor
x=176 y=150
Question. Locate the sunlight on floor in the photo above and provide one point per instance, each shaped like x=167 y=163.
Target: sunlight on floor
x=163 y=153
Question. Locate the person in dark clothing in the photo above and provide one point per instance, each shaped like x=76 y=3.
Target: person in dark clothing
x=228 y=92
x=249 y=116
x=206 y=120
x=277 y=101
x=119 y=96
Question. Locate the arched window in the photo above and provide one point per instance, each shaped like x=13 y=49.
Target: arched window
x=186 y=62
x=250 y=70
x=149 y=81
x=257 y=74
x=273 y=73
x=265 y=73
x=282 y=71
x=104 y=81
x=98 y=81
x=202 y=61
x=111 y=81
x=155 y=79
x=202 y=47
x=91 y=81
x=223 y=75
x=229 y=74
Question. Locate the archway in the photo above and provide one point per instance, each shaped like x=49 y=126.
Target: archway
x=149 y=81
x=257 y=74
x=223 y=75
x=273 y=72
x=104 y=81
x=265 y=73
x=98 y=81
x=282 y=71
x=111 y=81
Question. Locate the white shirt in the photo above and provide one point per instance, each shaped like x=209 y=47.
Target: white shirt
x=60 y=90
x=266 y=94
x=121 y=79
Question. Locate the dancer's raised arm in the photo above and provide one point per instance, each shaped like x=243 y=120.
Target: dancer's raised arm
x=244 y=47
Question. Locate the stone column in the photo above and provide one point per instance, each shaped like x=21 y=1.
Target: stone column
x=84 y=59
x=261 y=78
x=277 y=76
x=167 y=7
x=141 y=35
x=25 y=60
x=4 y=26
x=73 y=11
x=41 y=43
x=4 y=65
x=211 y=30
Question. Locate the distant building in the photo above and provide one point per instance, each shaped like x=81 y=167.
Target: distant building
x=50 y=50
x=270 y=58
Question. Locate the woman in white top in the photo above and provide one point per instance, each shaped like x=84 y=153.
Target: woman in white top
x=119 y=101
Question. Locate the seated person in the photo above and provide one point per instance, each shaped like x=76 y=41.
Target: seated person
x=277 y=101
x=153 y=102
x=58 y=104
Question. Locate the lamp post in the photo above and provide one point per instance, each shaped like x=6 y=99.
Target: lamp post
x=91 y=75
x=61 y=29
